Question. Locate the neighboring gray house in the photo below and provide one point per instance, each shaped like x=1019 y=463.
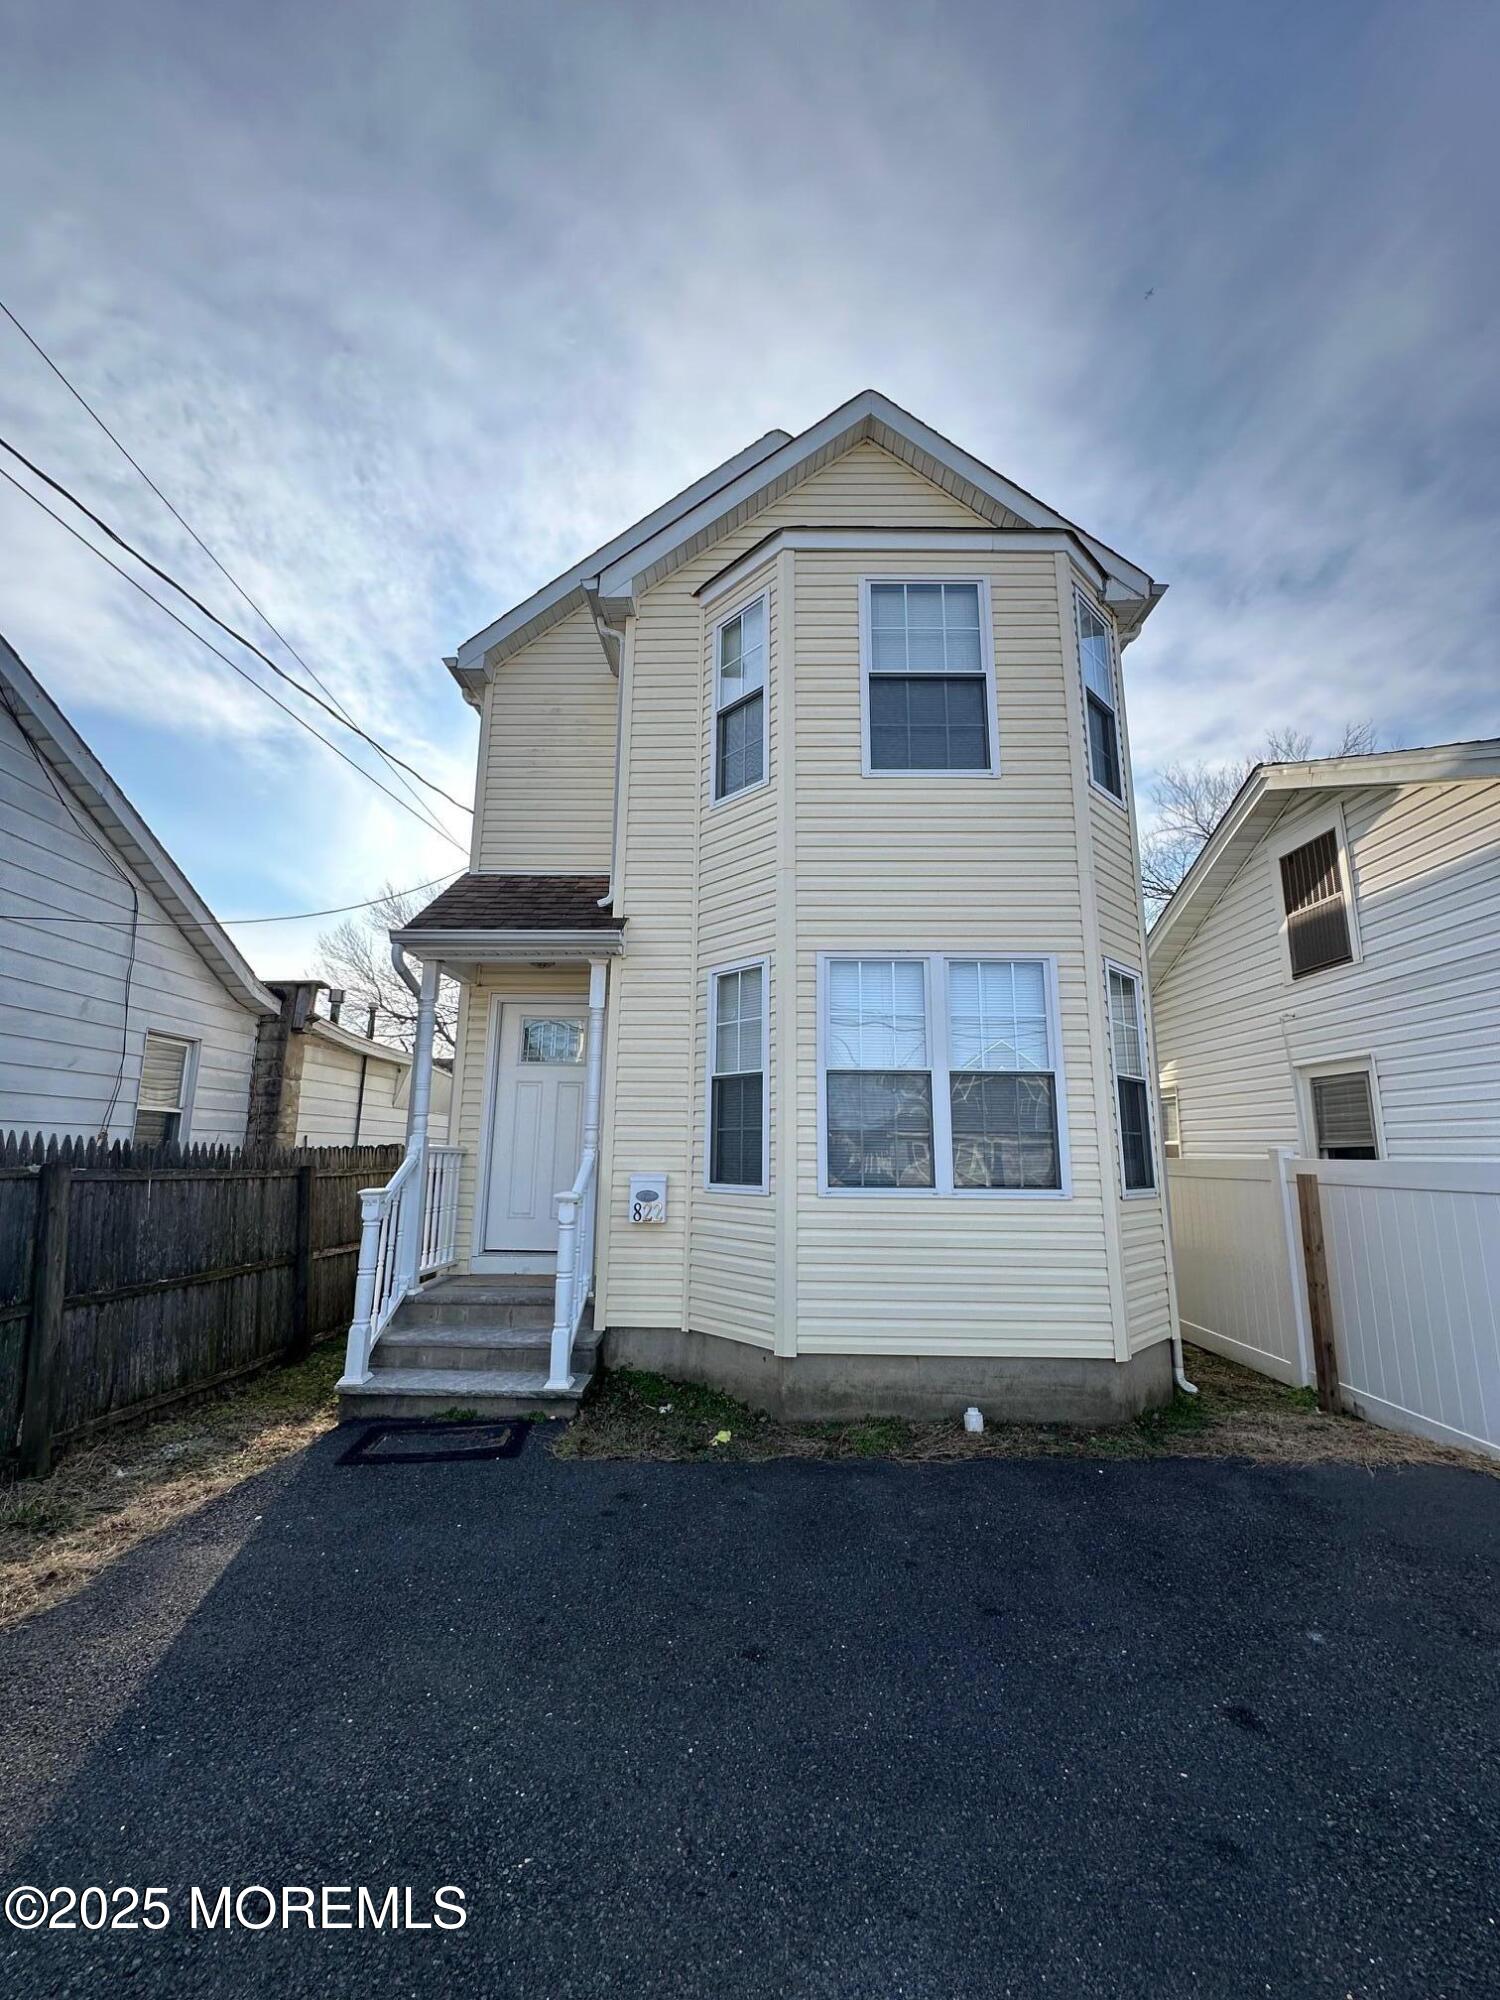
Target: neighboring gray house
x=125 y=1010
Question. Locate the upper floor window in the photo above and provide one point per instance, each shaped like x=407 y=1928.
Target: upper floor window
x=1317 y=913
x=929 y=677
x=941 y=1075
x=1127 y=1040
x=737 y=1078
x=1096 y=653
x=740 y=701
x=1171 y=1125
x=162 y=1098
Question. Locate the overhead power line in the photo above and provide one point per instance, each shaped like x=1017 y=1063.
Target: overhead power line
x=234 y=665
x=239 y=638
x=171 y=923
x=392 y=764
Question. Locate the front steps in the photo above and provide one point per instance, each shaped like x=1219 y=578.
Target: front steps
x=479 y=1344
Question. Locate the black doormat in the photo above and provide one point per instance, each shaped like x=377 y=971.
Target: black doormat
x=419 y=1441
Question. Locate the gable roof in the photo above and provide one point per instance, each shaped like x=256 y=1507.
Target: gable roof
x=1269 y=792
x=116 y=819
x=611 y=578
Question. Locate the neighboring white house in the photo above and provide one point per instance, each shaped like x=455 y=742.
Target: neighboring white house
x=1325 y=985
x=125 y=1010
x=802 y=955
x=1326 y=976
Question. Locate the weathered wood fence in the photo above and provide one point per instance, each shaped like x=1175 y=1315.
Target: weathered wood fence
x=132 y=1276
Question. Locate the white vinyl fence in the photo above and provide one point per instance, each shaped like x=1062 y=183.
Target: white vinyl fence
x=1413 y=1256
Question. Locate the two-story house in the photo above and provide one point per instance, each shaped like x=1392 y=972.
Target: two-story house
x=804 y=1043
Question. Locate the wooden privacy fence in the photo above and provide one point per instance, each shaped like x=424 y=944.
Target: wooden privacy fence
x=133 y=1276
x=1376 y=1280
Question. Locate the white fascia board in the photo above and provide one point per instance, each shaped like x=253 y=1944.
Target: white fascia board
x=360 y=1045
x=528 y=947
x=1439 y=763
x=550 y=598
x=128 y=834
x=864 y=415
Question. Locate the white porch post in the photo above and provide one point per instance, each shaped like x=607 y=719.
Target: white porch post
x=576 y=1210
x=418 y=1104
x=593 y=1081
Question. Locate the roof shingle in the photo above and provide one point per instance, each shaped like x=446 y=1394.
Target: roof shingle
x=519 y=903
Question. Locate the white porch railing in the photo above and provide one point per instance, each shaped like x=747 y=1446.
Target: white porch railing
x=575 y=1265
x=392 y=1259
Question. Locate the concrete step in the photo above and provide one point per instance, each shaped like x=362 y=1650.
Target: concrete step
x=488 y=1392
x=510 y=1304
x=472 y=1348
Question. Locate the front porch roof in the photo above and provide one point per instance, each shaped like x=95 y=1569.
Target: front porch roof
x=516 y=916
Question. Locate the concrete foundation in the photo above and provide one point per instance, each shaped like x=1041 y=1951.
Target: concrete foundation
x=1008 y=1388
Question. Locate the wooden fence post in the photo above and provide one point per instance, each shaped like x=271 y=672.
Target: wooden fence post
x=302 y=1268
x=1319 y=1298
x=49 y=1280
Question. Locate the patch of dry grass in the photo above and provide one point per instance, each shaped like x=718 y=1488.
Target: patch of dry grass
x=1236 y=1414
x=58 y=1533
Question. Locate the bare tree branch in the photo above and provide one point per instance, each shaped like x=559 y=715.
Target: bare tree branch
x=1189 y=800
x=357 y=955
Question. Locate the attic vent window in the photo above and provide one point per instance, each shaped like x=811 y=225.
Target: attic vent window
x=1317 y=915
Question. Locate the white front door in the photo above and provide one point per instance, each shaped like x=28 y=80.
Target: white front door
x=536 y=1132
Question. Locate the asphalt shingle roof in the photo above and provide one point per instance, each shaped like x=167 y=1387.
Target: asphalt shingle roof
x=519 y=903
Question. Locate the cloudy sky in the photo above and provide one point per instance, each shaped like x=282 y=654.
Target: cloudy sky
x=409 y=306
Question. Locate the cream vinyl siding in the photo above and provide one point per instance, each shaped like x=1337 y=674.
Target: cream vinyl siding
x=1112 y=832
x=546 y=782
x=467 y=1117
x=63 y=986
x=654 y=1085
x=1232 y=1026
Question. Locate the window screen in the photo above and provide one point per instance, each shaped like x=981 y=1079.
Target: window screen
x=1312 y=891
x=879 y=1082
x=1096 y=655
x=736 y=1138
x=928 y=695
x=1128 y=1046
x=1344 y=1117
x=740 y=702
x=1002 y=1093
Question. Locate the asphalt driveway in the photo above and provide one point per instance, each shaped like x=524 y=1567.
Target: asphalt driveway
x=1021 y=1728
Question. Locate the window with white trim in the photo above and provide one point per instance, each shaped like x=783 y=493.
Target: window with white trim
x=1343 y=1114
x=1171 y=1125
x=1096 y=655
x=1127 y=1040
x=928 y=677
x=737 y=1078
x=1317 y=914
x=740 y=701
x=161 y=1099
x=941 y=1075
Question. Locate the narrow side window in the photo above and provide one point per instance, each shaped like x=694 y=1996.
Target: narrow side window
x=1127 y=1036
x=740 y=701
x=1096 y=653
x=161 y=1100
x=737 y=1079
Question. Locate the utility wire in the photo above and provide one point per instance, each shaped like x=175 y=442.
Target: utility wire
x=239 y=638
x=234 y=665
x=286 y=917
x=188 y=528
